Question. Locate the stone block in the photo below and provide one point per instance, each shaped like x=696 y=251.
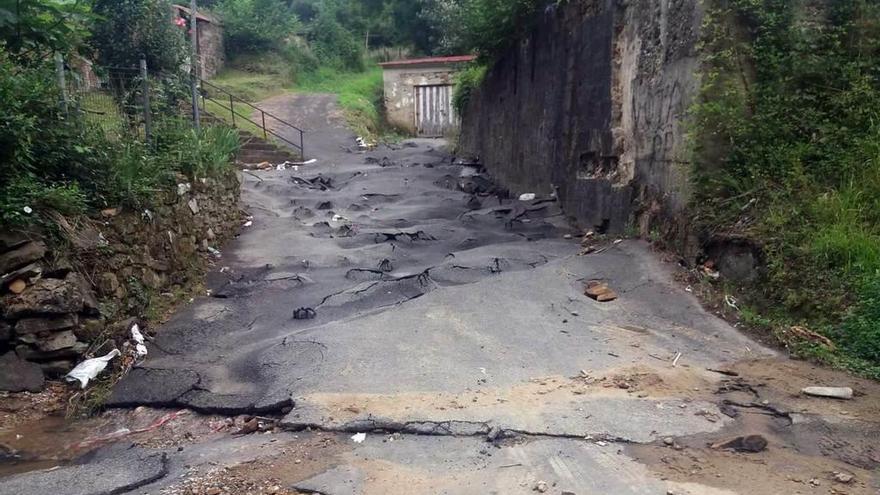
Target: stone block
x=17 y=375
x=21 y=256
x=49 y=296
x=46 y=324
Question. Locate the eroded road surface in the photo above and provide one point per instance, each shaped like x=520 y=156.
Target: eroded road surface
x=397 y=294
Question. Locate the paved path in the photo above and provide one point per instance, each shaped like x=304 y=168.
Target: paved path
x=397 y=294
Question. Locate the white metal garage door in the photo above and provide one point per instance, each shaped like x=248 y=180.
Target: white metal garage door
x=434 y=110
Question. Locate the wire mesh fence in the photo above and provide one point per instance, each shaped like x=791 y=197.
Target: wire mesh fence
x=123 y=101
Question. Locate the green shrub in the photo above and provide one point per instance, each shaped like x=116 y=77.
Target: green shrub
x=25 y=200
x=335 y=46
x=860 y=332
x=133 y=29
x=486 y=27
x=465 y=83
x=252 y=26
x=787 y=153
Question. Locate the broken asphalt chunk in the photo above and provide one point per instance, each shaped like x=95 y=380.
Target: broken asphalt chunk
x=750 y=443
x=304 y=314
x=599 y=291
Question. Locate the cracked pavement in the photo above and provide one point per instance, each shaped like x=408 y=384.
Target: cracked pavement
x=395 y=292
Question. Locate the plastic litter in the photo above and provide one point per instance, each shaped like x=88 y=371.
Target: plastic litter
x=138 y=337
x=844 y=393
x=248 y=223
x=528 y=197
x=90 y=368
x=359 y=437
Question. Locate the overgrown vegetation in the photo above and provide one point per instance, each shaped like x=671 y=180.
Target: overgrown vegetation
x=788 y=155
x=54 y=160
x=485 y=27
x=466 y=82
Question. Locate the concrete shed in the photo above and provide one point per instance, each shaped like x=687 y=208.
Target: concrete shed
x=418 y=93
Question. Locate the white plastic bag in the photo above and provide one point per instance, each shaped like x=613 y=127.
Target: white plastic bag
x=138 y=337
x=90 y=368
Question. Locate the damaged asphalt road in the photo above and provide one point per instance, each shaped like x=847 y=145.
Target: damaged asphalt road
x=398 y=294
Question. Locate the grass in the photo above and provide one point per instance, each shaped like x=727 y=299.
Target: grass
x=360 y=96
x=102 y=110
x=260 y=77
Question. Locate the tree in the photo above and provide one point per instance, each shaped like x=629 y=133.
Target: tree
x=135 y=29
x=257 y=25
x=32 y=27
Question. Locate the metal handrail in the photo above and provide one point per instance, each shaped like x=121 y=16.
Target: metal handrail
x=263 y=114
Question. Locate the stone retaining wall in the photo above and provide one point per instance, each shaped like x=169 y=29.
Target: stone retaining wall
x=592 y=106
x=59 y=298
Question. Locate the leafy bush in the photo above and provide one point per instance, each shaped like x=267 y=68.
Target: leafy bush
x=466 y=82
x=333 y=45
x=788 y=154
x=25 y=196
x=483 y=26
x=32 y=29
x=28 y=101
x=860 y=333
x=132 y=29
x=252 y=26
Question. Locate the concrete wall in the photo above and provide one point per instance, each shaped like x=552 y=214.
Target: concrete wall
x=211 y=52
x=400 y=91
x=592 y=105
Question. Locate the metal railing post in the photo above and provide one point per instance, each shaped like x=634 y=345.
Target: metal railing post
x=302 y=145
x=232 y=109
x=265 y=134
x=194 y=62
x=62 y=83
x=148 y=117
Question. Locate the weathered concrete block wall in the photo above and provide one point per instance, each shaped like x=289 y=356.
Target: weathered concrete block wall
x=400 y=97
x=57 y=298
x=592 y=105
x=212 y=54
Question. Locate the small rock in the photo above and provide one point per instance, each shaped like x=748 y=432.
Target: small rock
x=57 y=341
x=213 y=491
x=494 y=433
x=750 y=443
x=28 y=253
x=48 y=324
x=249 y=427
x=540 y=487
x=17 y=286
x=843 y=478
x=669 y=441
x=17 y=375
x=844 y=393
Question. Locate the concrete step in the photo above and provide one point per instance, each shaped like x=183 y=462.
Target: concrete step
x=258 y=146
